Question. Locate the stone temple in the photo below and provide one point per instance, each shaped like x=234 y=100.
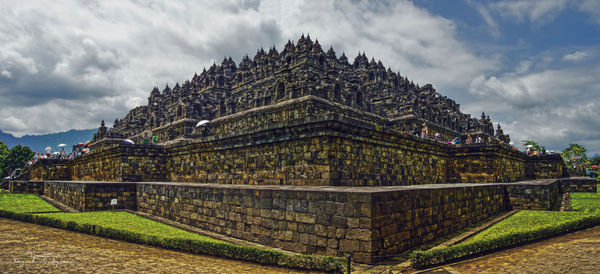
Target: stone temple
x=366 y=90
x=304 y=151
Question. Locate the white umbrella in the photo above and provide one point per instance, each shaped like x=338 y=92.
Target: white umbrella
x=203 y=122
x=128 y=141
x=529 y=145
x=62 y=145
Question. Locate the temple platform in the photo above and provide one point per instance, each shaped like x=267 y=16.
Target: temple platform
x=369 y=222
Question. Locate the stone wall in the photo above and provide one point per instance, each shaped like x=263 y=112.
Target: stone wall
x=121 y=162
x=18 y=186
x=51 y=169
x=248 y=161
x=541 y=194
x=90 y=196
x=402 y=219
x=485 y=163
x=372 y=223
x=341 y=148
x=367 y=222
x=546 y=166
x=578 y=184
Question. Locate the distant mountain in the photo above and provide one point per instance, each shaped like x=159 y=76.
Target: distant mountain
x=37 y=143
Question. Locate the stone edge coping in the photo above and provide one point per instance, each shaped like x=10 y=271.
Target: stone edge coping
x=358 y=189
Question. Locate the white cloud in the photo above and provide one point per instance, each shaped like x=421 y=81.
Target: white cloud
x=533 y=10
x=485 y=13
x=6 y=73
x=591 y=7
x=575 y=56
x=552 y=106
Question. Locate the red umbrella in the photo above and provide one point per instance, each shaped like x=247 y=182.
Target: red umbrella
x=594 y=167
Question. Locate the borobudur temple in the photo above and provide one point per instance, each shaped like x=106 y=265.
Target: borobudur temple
x=304 y=151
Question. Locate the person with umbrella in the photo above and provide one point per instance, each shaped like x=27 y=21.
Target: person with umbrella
x=63 y=153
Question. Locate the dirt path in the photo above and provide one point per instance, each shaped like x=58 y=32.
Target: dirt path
x=30 y=248
x=573 y=253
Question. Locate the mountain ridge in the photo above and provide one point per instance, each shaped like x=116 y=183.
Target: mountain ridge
x=37 y=143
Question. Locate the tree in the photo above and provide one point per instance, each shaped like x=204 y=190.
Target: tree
x=575 y=158
x=534 y=145
x=17 y=157
x=595 y=160
x=3 y=154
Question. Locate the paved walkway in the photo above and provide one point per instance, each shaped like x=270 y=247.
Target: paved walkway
x=30 y=248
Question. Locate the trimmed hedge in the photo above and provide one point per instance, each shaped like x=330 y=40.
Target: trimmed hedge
x=420 y=259
x=217 y=249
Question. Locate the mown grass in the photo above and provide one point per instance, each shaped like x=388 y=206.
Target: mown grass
x=586 y=202
x=128 y=222
x=527 y=220
x=25 y=203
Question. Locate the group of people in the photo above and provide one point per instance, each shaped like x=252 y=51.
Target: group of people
x=423 y=132
x=49 y=154
x=146 y=140
x=536 y=152
x=469 y=139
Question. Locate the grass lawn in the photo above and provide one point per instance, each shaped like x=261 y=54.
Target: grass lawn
x=128 y=222
x=584 y=205
x=24 y=203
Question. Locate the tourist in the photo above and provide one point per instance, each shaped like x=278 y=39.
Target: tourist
x=469 y=139
x=478 y=140
x=63 y=153
x=48 y=151
x=454 y=141
x=155 y=139
x=415 y=131
x=436 y=137
x=424 y=131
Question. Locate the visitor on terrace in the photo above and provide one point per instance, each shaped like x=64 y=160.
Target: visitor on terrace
x=424 y=131
x=469 y=139
x=48 y=151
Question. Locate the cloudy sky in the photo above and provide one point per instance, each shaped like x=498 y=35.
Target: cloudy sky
x=533 y=66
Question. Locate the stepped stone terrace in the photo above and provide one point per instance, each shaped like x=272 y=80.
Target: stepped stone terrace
x=304 y=151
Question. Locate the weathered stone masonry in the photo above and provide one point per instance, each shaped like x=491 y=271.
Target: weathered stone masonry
x=368 y=222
